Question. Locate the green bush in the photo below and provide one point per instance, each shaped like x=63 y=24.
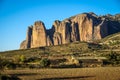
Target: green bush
x=31 y=66
x=22 y=58
x=1 y=64
x=94 y=46
x=113 y=58
x=33 y=59
x=16 y=58
x=7 y=77
x=6 y=64
x=19 y=58
x=10 y=65
x=45 y=62
x=114 y=42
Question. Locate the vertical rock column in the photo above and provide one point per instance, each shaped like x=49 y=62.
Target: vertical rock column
x=39 y=36
x=27 y=43
x=74 y=32
x=85 y=24
x=57 y=38
x=64 y=30
x=29 y=37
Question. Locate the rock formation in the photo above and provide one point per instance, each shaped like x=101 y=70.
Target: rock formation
x=39 y=36
x=27 y=43
x=82 y=27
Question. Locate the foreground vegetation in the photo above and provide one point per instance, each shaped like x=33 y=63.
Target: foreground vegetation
x=103 y=54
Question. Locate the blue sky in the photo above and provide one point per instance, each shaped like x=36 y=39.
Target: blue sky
x=17 y=15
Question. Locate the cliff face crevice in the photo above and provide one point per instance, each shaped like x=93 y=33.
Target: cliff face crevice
x=83 y=27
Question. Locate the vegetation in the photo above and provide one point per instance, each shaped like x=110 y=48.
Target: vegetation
x=6 y=64
x=8 y=77
x=22 y=58
x=33 y=59
x=111 y=43
x=113 y=58
x=112 y=37
x=45 y=62
x=59 y=55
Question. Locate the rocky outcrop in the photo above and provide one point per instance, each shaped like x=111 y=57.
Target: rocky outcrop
x=23 y=45
x=74 y=32
x=39 y=36
x=57 y=38
x=85 y=23
x=27 y=43
x=49 y=42
x=83 y=27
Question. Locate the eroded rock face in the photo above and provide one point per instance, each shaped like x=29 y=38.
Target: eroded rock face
x=64 y=31
x=74 y=32
x=39 y=37
x=49 y=42
x=23 y=45
x=27 y=43
x=56 y=25
x=83 y=27
x=57 y=38
x=91 y=27
x=101 y=30
x=29 y=36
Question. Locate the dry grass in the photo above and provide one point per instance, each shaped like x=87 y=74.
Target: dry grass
x=102 y=73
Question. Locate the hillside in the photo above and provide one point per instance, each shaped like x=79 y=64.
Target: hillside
x=76 y=47
x=113 y=37
x=72 y=55
x=111 y=42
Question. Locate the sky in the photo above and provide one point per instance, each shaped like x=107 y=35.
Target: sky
x=17 y=15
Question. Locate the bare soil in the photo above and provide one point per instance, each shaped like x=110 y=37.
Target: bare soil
x=100 y=73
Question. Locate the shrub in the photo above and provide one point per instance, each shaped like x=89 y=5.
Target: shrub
x=19 y=58
x=33 y=59
x=6 y=64
x=1 y=64
x=94 y=46
x=22 y=58
x=4 y=77
x=16 y=58
x=31 y=66
x=114 y=42
x=113 y=58
x=10 y=65
x=7 y=77
x=45 y=62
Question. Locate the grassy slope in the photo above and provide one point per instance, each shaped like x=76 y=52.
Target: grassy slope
x=71 y=48
x=115 y=36
x=60 y=49
x=102 y=73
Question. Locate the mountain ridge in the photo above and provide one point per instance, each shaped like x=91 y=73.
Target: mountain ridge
x=82 y=27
